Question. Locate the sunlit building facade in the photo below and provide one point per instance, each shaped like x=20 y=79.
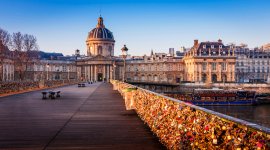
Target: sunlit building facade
x=156 y=68
x=210 y=62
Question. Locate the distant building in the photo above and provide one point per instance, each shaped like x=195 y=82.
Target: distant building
x=171 y=52
x=156 y=68
x=180 y=54
x=266 y=47
x=51 y=66
x=210 y=62
x=252 y=66
x=6 y=64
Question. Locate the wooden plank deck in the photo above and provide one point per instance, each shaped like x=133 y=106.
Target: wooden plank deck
x=93 y=117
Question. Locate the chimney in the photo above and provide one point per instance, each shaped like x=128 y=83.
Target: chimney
x=196 y=42
x=219 y=41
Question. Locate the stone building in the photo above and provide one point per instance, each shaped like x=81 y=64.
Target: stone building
x=252 y=66
x=266 y=47
x=7 y=70
x=98 y=65
x=6 y=64
x=210 y=62
x=156 y=68
x=51 y=70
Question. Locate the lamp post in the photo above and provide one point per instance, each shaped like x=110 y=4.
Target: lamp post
x=47 y=65
x=68 y=73
x=114 y=67
x=124 y=55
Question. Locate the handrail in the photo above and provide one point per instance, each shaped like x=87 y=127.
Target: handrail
x=180 y=125
x=229 y=118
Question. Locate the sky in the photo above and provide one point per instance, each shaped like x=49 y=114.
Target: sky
x=143 y=25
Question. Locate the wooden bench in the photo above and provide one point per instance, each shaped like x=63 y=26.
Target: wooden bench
x=52 y=94
x=44 y=95
x=58 y=94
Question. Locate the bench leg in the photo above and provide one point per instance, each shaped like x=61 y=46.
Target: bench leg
x=44 y=97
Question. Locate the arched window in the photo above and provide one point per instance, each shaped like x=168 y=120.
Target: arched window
x=156 y=78
x=110 y=51
x=100 y=50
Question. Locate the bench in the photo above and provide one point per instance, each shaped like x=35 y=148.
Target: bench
x=44 y=95
x=83 y=85
x=79 y=85
x=52 y=94
x=58 y=93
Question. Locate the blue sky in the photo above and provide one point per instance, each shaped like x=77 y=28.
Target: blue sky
x=63 y=25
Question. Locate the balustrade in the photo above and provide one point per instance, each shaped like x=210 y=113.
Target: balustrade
x=180 y=125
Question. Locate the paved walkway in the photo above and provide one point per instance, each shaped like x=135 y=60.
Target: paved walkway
x=93 y=117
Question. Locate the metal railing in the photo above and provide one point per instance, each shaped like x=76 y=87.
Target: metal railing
x=180 y=125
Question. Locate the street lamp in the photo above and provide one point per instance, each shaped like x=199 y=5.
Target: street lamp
x=47 y=65
x=124 y=55
x=68 y=73
x=114 y=67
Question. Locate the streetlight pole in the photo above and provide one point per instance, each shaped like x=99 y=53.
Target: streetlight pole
x=47 y=71
x=68 y=73
x=114 y=67
x=124 y=55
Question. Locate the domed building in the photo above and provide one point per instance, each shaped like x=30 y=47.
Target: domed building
x=98 y=65
x=100 y=41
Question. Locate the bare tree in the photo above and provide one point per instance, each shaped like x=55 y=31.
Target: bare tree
x=29 y=42
x=25 y=49
x=4 y=38
x=30 y=47
x=17 y=42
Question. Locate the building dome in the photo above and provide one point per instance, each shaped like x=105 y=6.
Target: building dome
x=100 y=32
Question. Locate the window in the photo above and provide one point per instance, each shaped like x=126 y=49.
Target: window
x=224 y=66
x=204 y=66
x=99 y=50
x=212 y=46
x=204 y=46
x=142 y=68
x=214 y=66
x=110 y=50
x=64 y=68
x=220 y=46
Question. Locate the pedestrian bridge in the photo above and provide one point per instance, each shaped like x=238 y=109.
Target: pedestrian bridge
x=91 y=117
x=95 y=117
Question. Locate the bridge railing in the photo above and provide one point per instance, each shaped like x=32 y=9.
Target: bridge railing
x=180 y=125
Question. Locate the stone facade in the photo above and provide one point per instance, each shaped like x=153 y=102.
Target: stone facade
x=210 y=62
x=252 y=66
x=51 y=70
x=98 y=65
x=6 y=64
x=7 y=70
x=156 y=68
